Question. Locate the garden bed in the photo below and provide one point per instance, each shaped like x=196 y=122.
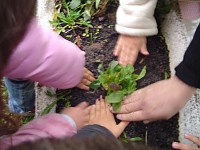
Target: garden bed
x=99 y=48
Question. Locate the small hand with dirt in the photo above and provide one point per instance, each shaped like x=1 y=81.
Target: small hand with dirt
x=101 y=115
x=87 y=79
x=128 y=47
x=80 y=114
x=181 y=146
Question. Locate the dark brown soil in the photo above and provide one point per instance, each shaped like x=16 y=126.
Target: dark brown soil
x=158 y=134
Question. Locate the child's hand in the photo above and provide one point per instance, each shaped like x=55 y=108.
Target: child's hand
x=87 y=79
x=128 y=47
x=80 y=114
x=181 y=146
x=101 y=115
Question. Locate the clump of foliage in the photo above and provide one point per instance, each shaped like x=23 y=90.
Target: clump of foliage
x=66 y=17
x=76 y=13
x=118 y=81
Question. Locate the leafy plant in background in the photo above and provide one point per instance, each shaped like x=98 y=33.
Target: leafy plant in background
x=118 y=81
x=88 y=7
x=74 y=14
x=68 y=17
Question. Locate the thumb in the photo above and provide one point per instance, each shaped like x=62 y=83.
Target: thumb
x=122 y=125
x=120 y=128
x=82 y=105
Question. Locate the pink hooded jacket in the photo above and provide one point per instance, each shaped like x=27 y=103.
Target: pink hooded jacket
x=51 y=125
x=47 y=58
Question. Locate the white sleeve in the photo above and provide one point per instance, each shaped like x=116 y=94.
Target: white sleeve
x=136 y=18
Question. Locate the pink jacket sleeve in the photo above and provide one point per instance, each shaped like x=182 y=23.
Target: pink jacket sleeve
x=190 y=9
x=46 y=57
x=51 y=125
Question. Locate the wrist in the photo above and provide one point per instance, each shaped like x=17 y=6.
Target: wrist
x=182 y=89
x=69 y=119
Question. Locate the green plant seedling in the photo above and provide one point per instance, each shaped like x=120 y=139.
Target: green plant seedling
x=166 y=75
x=126 y=139
x=118 y=81
x=69 y=16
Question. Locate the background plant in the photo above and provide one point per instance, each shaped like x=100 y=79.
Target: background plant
x=67 y=18
x=118 y=81
x=77 y=13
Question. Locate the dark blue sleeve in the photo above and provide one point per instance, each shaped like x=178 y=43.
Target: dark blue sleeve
x=94 y=130
x=189 y=69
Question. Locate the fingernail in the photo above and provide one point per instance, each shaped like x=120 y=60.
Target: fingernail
x=175 y=145
x=118 y=116
x=111 y=109
x=145 y=122
x=186 y=135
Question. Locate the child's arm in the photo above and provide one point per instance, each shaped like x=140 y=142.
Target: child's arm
x=135 y=21
x=61 y=125
x=135 y=18
x=46 y=57
x=51 y=125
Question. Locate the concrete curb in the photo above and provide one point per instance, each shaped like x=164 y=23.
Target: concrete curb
x=45 y=9
x=175 y=33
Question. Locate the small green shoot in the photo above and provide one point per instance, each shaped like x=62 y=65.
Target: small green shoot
x=29 y=117
x=127 y=139
x=118 y=81
x=71 y=19
x=166 y=75
x=50 y=106
x=60 y=96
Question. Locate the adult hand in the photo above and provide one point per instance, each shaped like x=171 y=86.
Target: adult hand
x=160 y=100
x=128 y=47
x=80 y=114
x=181 y=146
x=87 y=79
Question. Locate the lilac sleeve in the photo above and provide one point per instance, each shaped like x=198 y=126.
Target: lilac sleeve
x=51 y=125
x=46 y=57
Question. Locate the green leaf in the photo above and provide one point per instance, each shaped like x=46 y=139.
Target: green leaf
x=97 y=4
x=100 y=68
x=95 y=84
x=136 y=139
x=103 y=79
x=74 y=4
x=166 y=75
x=113 y=64
x=115 y=97
x=124 y=134
x=142 y=73
x=129 y=69
x=116 y=106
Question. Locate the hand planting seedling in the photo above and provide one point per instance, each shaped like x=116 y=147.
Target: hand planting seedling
x=118 y=81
